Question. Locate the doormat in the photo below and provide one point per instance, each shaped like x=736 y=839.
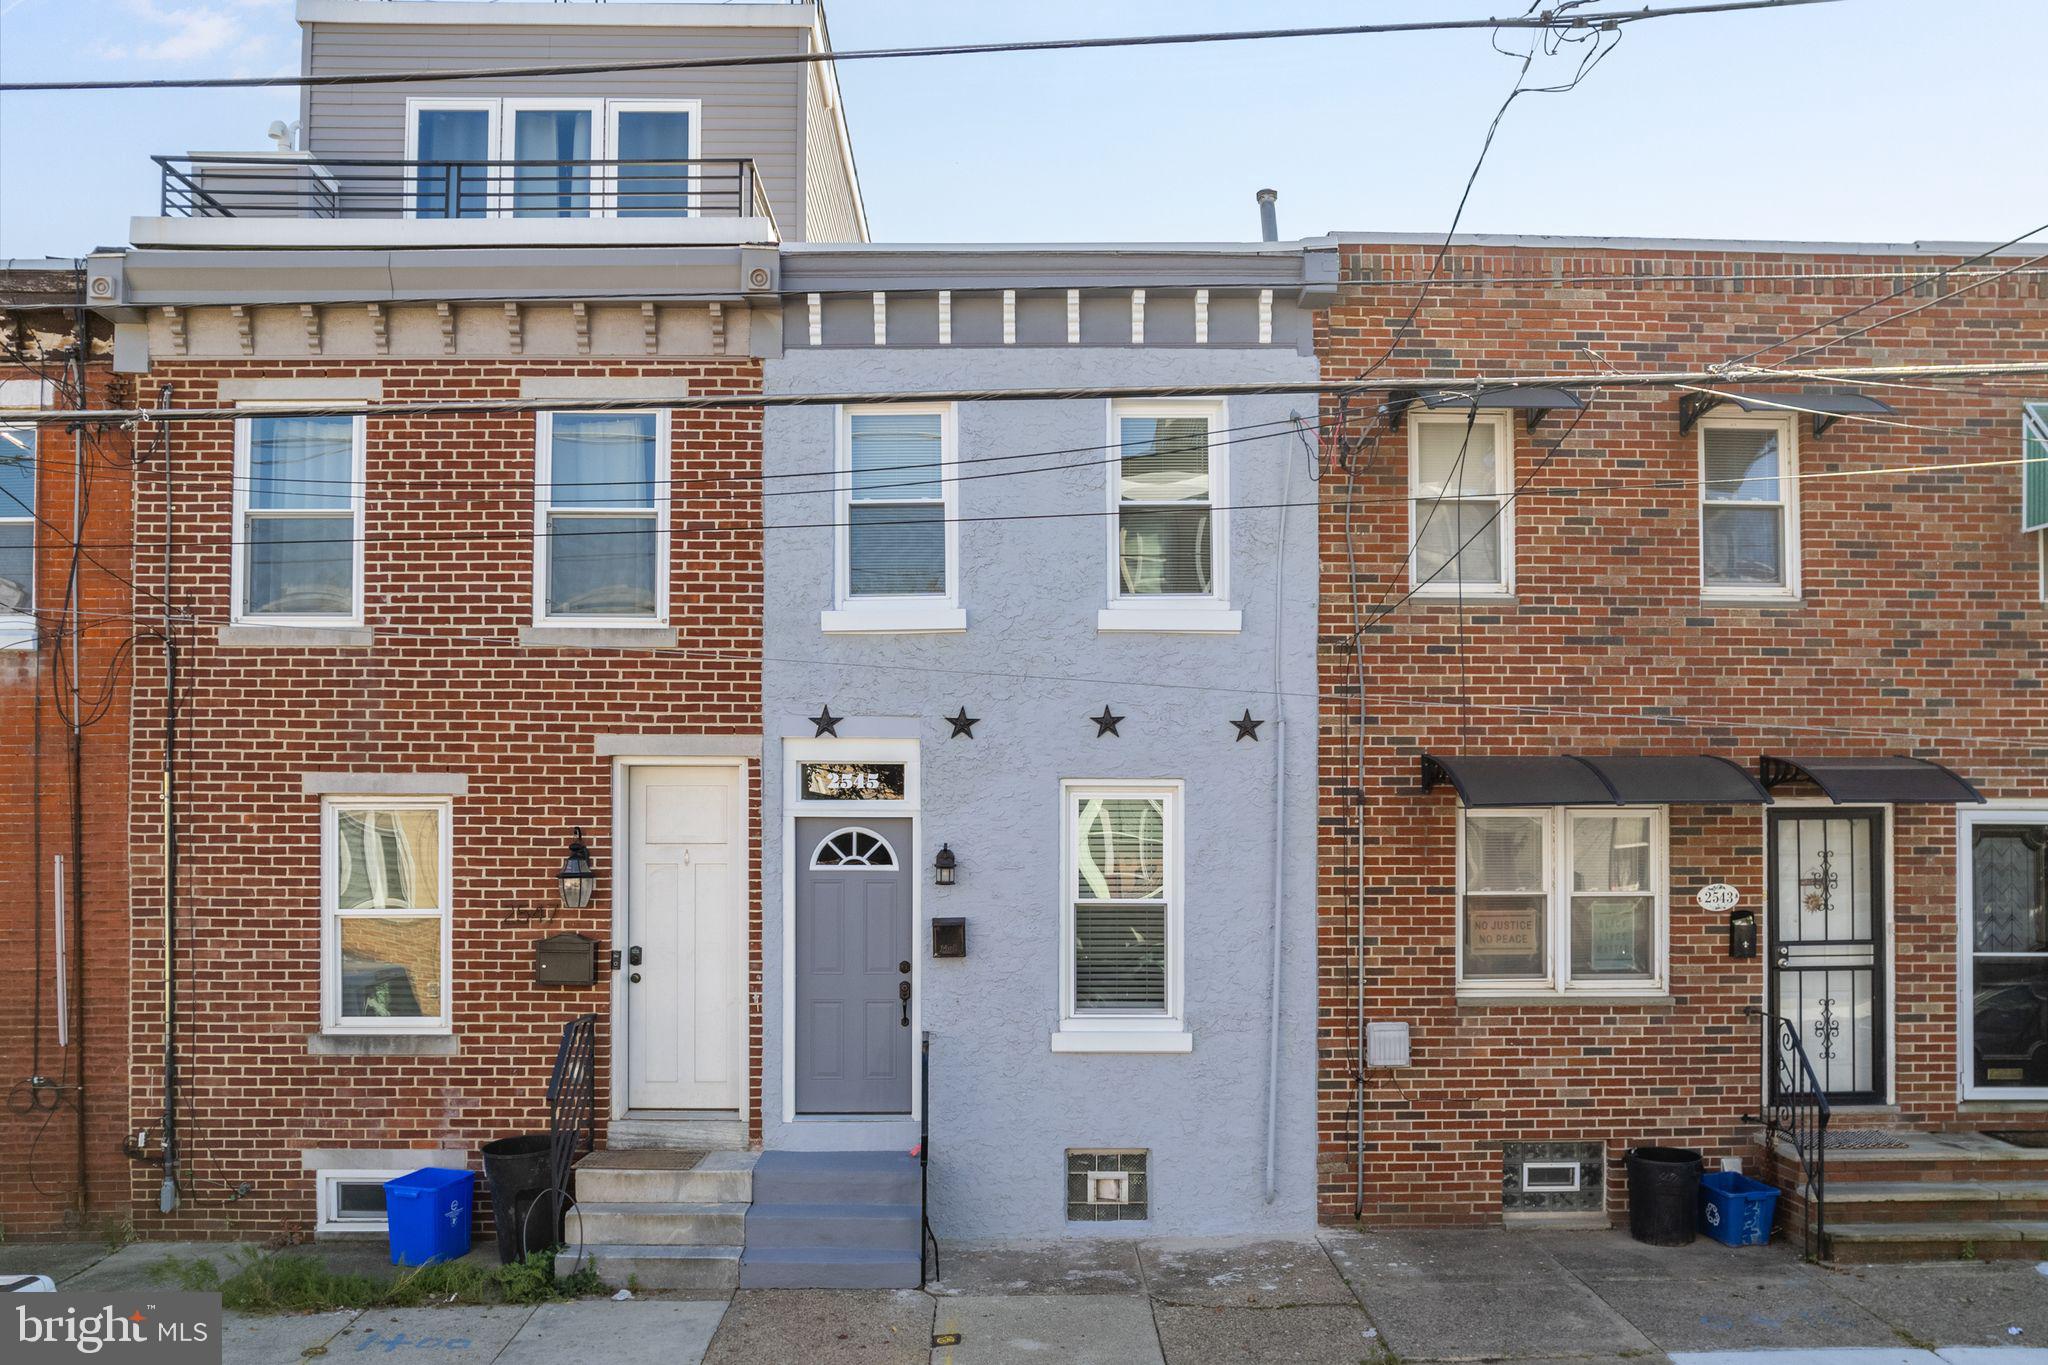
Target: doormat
x=2032 y=1138
x=1864 y=1140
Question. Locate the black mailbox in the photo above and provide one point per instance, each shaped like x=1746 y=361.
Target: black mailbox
x=1742 y=933
x=565 y=960
x=949 y=937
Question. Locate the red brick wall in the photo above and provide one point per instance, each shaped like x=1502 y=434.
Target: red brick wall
x=63 y=1173
x=1920 y=631
x=445 y=688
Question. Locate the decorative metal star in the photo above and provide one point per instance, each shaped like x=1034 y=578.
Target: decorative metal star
x=1247 y=728
x=827 y=723
x=1106 y=723
x=963 y=724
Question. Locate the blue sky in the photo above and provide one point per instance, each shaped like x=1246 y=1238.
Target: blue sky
x=1869 y=119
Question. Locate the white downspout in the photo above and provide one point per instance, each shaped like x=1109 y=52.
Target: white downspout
x=1279 y=833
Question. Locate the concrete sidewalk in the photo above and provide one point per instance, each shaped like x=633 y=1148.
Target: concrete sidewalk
x=1595 y=1298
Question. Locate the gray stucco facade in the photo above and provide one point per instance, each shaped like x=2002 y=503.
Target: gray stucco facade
x=1005 y=1107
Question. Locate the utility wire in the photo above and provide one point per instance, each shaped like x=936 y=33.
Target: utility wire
x=1546 y=22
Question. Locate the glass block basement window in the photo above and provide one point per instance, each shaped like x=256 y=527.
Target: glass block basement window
x=1108 y=1187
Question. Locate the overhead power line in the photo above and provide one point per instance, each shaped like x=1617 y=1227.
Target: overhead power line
x=686 y=402
x=1611 y=19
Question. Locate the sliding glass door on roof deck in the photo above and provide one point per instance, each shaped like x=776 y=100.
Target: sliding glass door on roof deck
x=453 y=145
x=553 y=145
x=653 y=146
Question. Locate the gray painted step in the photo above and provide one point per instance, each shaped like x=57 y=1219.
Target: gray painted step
x=827 y=1268
x=647 y=1224
x=876 y=1227
x=657 y=1176
x=836 y=1178
x=716 y=1269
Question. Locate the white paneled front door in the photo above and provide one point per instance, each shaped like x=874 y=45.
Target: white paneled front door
x=685 y=908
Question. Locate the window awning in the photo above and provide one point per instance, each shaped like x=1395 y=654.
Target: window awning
x=1598 y=780
x=1847 y=781
x=1535 y=402
x=1826 y=409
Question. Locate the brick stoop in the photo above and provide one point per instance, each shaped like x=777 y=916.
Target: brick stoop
x=1935 y=1197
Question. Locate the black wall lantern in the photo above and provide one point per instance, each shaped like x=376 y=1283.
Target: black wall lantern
x=943 y=865
x=578 y=875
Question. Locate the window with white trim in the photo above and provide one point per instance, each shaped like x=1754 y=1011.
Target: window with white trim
x=1749 y=512
x=17 y=536
x=353 y=1200
x=601 y=518
x=897 y=536
x=2003 y=888
x=385 y=915
x=299 y=509
x=1563 y=899
x=1122 y=906
x=1461 y=522
x=558 y=158
x=1170 y=541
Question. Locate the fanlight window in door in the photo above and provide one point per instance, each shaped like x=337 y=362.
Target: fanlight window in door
x=854 y=848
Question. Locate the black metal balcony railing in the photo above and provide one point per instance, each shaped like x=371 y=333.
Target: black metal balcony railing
x=319 y=187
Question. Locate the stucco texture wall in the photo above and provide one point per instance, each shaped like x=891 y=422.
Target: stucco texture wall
x=1032 y=666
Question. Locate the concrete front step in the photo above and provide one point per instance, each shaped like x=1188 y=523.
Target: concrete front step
x=1923 y=1201
x=827 y=1268
x=836 y=1178
x=662 y=1176
x=685 y=1134
x=877 y=1227
x=714 y=1269
x=1987 y=1240
x=649 y=1224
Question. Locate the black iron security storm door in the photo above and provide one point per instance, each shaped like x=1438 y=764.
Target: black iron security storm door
x=1826 y=878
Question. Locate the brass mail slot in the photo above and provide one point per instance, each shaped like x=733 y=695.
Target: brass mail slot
x=565 y=960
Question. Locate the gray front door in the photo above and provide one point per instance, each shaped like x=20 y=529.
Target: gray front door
x=852 y=967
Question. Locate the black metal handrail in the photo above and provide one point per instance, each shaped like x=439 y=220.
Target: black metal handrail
x=572 y=1120
x=307 y=186
x=924 y=1165
x=1795 y=1105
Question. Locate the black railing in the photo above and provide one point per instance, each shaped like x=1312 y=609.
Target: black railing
x=924 y=1165
x=572 y=1122
x=1795 y=1106
x=294 y=186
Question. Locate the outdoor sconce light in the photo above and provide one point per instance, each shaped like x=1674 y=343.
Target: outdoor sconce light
x=578 y=875
x=943 y=865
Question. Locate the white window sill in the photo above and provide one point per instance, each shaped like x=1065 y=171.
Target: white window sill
x=561 y=635
x=1471 y=597
x=1750 y=599
x=1469 y=996
x=1123 y=1040
x=938 y=618
x=255 y=636
x=344 y=1043
x=1170 y=620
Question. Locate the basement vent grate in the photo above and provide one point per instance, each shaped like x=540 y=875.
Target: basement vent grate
x=1108 y=1186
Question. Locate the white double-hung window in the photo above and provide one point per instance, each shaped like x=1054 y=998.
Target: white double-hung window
x=385 y=937
x=17 y=536
x=1170 y=523
x=1122 y=892
x=897 y=527
x=1461 y=517
x=1563 y=900
x=298 y=545
x=601 y=514
x=1749 y=507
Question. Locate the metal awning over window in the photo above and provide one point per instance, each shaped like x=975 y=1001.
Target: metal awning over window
x=1535 y=402
x=1826 y=409
x=1850 y=781
x=1601 y=780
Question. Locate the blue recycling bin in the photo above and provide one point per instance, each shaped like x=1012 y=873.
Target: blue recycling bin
x=429 y=1213
x=1735 y=1210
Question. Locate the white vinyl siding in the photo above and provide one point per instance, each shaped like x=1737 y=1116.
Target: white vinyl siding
x=1460 y=517
x=385 y=915
x=1562 y=900
x=1749 y=514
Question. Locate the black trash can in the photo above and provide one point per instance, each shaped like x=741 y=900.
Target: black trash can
x=517 y=1171
x=1663 y=1195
